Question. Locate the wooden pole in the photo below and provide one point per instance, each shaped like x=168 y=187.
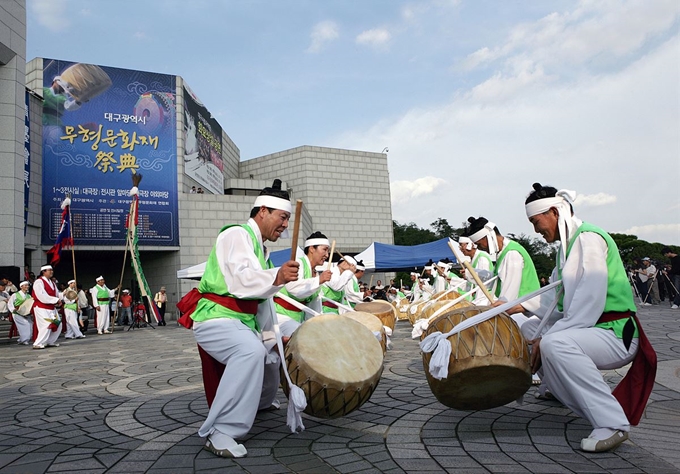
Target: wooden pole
x=73 y=252
x=472 y=271
x=122 y=272
x=330 y=256
x=296 y=229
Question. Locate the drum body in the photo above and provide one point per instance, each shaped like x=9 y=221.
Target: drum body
x=70 y=294
x=489 y=363
x=385 y=311
x=25 y=308
x=85 y=81
x=336 y=361
x=402 y=309
x=372 y=322
x=3 y=307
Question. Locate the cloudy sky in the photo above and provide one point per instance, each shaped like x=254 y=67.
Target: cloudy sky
x=475 y=100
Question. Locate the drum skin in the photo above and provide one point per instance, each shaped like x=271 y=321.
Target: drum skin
x=25 y=308
x=373 y=323
x=85 y=81
x=489 y=363
x=385 y=311
x=336 y=361
x=425 y=309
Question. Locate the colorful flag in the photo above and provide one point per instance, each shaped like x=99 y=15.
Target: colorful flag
x=131 y=224
x=65 y=238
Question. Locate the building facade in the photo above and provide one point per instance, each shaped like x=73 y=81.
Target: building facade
x=346 y=193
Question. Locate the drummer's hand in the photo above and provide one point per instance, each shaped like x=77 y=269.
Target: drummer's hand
x=96 y=308
x=287 y=272
x=535 y=355
x=514 y=310
x=325 y=276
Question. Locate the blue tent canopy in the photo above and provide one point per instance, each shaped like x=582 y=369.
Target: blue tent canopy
x=389 y=258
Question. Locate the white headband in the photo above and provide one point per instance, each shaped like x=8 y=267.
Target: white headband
x=466 y=242
x=313 y=242
x=487 y=231
x=99 y=278
x=71 y=281
x=46 y=267
x=24 y=283
x=274 y=202
x=361 y=268
x=563 y=201
x=350 y=260
x=415 y=274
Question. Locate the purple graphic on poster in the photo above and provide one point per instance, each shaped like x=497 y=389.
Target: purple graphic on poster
x=100 y=125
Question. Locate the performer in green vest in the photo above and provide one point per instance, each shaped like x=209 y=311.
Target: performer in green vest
x=100 y=300
x=483 y=265
x=71 y=312
x=307 y=287
x=353 y=293
x=514 y=267
x=23 y=322
x=593 y=327
x=233 y=321
x=334 y=289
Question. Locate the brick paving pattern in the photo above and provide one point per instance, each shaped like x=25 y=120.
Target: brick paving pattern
x=131 y=402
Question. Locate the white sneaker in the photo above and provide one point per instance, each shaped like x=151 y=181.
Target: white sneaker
x=225 y=446
x=675 y=306
x=646 y=304
x=593 y=445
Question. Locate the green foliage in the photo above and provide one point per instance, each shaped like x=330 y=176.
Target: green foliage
x=630 y=247
x=411 y=234
x=541 y=253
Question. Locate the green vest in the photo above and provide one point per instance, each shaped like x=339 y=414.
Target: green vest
x=102 y=294
x=298 y=315
x=213 y=282
x=480 y=254
x=529 y=277
x=619 y=294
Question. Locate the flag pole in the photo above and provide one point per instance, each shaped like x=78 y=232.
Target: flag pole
x=73 y=241
x=122 y=272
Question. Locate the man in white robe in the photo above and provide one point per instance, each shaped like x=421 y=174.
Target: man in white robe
x=47 y=300
x=71 y=313
x=100 y=300
x=353 y=293
x=334 y=289
x=593 y=327
x=24 y=323
x=233 y=321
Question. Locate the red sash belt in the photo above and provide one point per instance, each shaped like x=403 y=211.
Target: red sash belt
x=634 y=389
x=328 y=304
x=286 y=305
x=187 y=305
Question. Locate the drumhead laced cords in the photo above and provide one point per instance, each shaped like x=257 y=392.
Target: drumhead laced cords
x=439 y=344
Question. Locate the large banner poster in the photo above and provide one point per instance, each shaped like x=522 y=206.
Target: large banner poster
x=202 y=145
x=100 y=125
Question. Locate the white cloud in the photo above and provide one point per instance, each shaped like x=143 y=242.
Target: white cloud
x=404 y=191
x=593 y=200
x=140 y=35
x=322 y=34
x=376 y=38
x=561 y=40
x=52 y=14
x=664 y=233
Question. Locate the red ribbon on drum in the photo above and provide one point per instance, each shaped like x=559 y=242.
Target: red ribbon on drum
x=438 y=343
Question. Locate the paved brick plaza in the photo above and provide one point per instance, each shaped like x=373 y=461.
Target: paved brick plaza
x=133 y=401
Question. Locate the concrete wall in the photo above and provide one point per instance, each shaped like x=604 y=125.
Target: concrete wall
x=346 y=192
x=12 y=112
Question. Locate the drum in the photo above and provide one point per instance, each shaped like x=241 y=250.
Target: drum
x=84 y=81
x=415 y=309
x=382 y=309
x=402 y=309
x=427 y=310
x=336 y=361
x=489 y=363
x=25 y=308
x=3 y=306
x=70 y=294
x=372 y=322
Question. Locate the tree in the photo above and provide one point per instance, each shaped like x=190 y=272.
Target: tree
x=411 y=234
x=541 y=253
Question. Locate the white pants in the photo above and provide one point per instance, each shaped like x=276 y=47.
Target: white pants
x=103 y=317
x=287 y=325
x=572 y=360
x=72 y=329
x=45 y=334
x=24 y=327
x=247 y=385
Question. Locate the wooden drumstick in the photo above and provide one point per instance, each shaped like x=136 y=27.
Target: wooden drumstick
x=296 y=229
x=330 y=256
x=468 y=267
